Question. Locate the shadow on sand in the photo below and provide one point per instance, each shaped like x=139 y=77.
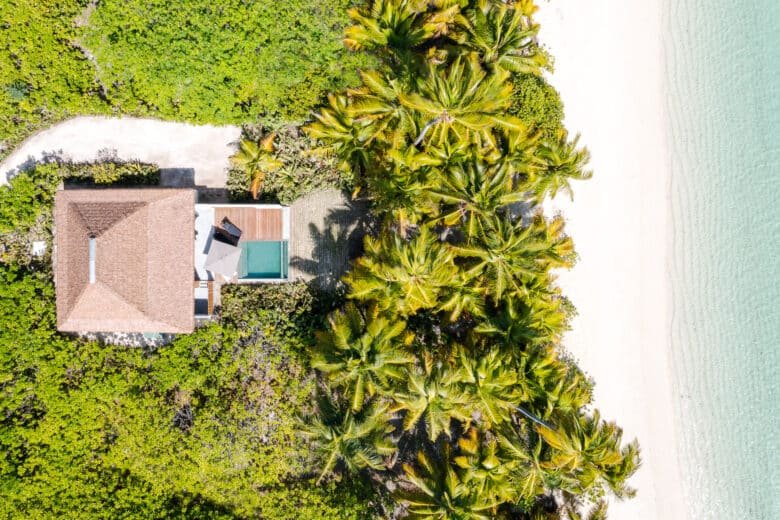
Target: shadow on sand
x=335 y=244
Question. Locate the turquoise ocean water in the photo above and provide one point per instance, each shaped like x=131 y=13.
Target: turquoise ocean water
x=723 y=91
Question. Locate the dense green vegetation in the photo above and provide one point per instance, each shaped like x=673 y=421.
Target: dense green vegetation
x=440 y=382
x=205 y=427
x=444 y=377
x=44 y=77
x=282 y=166
x=220 y=61
x=26 y=207
x=201 y=61
x=538 y=105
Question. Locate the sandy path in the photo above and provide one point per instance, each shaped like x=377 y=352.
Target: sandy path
x=609 y=71
x=202 y=149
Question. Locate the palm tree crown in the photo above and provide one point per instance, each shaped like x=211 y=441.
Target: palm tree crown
x=256 y=159
x=405 y=276
x=504 y=38
x=362 y=354
x=356 y=440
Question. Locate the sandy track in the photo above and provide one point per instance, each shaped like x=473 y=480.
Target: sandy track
x=202 y=151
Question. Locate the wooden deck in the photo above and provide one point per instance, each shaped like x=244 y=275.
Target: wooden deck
x=254 y=223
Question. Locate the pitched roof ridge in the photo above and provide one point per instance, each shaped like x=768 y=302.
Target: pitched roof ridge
x=75 y=207
x=108 y=288
x=135 y=205
x=76 y=302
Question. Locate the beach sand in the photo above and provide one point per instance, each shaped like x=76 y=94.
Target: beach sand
x=609 y=71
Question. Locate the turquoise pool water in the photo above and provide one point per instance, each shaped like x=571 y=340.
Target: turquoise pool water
x=723 y=82
x=264 y=259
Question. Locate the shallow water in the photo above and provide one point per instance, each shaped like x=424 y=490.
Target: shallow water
x=723 y=91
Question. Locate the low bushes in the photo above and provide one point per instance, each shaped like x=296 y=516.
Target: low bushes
x=289 y=300
x=220 y=61
x=44 y=75
x=202 y=428
x=538 y=105
x=110 y=172
x=304 y=169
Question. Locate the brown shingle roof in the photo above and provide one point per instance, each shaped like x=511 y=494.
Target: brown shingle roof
x=143 y=260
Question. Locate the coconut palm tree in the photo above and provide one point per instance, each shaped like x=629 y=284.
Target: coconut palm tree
x=519 y=152
x=528 y=476
x=504 y=37
x=515 y=259
x=403 y=195
x=482 y=466
x=362 y=354
x=589 y=454
x=491 y=381
x=547 y=387
x=433 y=397
x=433 y=490
x=461 y=102
x=461 y=297
x=357 y=441
x=256 y=159
x=376 y=105
x=557 y=164
x=342 y=135
x=572 y=507
x=472 y=192
x=443 y=18
x=394 y=25
x=405 y=276
x=565 y=393
x=521 y=322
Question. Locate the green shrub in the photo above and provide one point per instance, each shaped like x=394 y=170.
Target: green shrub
x=221 y=61
x=26 y=197
x=44 y=76
x=202 y=61
x=304 y=168
x=111 y=172
x=94 y=431
x=289 y=299
x=538 y=105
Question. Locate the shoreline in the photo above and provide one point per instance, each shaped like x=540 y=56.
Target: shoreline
x=609 y=71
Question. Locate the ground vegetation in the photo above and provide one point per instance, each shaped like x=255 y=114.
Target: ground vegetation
x=201 y=61
x=204 y=427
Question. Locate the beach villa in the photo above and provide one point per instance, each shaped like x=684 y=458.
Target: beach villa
x=152 y=260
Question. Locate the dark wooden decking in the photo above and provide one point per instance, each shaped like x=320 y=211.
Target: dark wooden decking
x=254 y=223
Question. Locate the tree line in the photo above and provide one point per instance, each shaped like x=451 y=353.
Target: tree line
x=443 y=377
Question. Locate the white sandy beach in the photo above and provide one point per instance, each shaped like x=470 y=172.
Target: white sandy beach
x=609 y=71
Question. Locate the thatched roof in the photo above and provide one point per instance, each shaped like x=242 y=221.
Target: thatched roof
x=143 y=260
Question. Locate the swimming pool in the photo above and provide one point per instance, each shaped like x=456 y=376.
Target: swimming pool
x=264 y=259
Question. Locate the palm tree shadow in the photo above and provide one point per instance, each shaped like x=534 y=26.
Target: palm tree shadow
x=336 y=244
